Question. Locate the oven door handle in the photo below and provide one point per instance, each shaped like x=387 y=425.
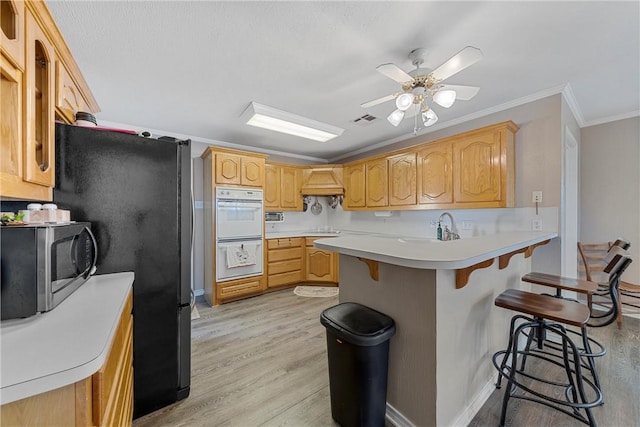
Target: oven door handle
x=244 y=205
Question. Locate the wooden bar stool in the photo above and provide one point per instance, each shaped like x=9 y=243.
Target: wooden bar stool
x=594 y=266
x=617 y=262
x=549 y=315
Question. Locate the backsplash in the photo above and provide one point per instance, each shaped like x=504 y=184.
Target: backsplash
x=469 y=222
x=294 y=221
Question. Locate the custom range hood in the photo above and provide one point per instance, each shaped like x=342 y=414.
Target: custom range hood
x=322 y=181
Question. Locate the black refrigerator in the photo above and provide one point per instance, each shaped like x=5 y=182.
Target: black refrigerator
x=135 y=191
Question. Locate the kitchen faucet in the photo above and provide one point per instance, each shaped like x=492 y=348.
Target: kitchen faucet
x=446 y=233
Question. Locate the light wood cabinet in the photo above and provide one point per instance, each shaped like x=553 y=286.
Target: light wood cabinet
x=39 y=149
x=475 y=169
x=354 y=181
x=12 y=31
x=282 y=188
x=235 y=169
x=402 y=180
x=240 y=288
x=321 y=265
x=69 y=99
x=322 y=180
x=484 y=168
x=112 y=389
x=284 y=261
x=225 y=167
x=290 y=197
x=377 y=183
x=103 y=399
x=38 y=73
x=435 y=178
x=271 y=187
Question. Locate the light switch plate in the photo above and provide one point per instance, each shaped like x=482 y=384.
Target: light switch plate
x=536 y=196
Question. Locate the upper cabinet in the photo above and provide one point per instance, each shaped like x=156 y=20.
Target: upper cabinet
x=484 y=172
x=376 y=184
x=39 y=140
x=402 y=180
x=12 y=34
x=354 y=184
x=435 y=174
x=69 y=99
x=40 y=82
x=282 y=187
x=471 y=170
x=236 y=169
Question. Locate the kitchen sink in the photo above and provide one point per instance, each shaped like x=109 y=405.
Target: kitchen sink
x=417 y=239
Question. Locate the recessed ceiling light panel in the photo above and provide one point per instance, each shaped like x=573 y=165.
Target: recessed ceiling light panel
x=281 y=121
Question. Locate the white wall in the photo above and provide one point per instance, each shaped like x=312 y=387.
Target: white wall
x=610 y=186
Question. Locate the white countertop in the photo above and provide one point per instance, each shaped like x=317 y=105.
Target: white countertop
x=425 y=253
x=65 y=345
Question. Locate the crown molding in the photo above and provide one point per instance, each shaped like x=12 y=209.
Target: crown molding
x=202 y=143
x=612 y=118
x=478 y=114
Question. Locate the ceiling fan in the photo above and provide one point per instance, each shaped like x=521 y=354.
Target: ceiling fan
x=422 y=84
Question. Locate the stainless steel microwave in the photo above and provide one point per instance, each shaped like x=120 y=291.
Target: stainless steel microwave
x=41 y=265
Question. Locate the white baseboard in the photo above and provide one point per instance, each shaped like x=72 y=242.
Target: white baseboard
x=198 y=292
x=396 y=418
x=470 y=411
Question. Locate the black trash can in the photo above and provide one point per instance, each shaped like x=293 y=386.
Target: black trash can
x=358 y=353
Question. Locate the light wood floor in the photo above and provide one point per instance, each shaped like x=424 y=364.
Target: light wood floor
x=619 y=371
x=262 y=361
x=259 y=361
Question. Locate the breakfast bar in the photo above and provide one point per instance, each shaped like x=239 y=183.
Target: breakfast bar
x=440 y=295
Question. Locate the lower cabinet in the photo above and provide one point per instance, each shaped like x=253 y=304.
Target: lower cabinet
x=321 y=265
x=103 y=399
x=234 y=289
x=284 y=261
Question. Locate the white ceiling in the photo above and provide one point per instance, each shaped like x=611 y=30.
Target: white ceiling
x=191 y=68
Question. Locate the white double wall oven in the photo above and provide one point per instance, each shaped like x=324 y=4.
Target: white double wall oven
x=239 y=233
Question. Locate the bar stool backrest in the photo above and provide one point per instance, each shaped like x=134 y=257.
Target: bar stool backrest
x=622 y=243
x=593 y=270
x=617 y=261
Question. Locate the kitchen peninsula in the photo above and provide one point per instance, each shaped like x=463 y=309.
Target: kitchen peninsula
x=440 y=295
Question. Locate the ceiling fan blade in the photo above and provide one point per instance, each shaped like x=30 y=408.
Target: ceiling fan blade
x=458 y=62
x=378 y=101
x=393 y=72
x=463 y=93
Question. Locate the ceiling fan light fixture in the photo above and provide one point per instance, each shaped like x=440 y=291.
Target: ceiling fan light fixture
x=396 y=117
x=429 y=117
x=445 y=98
x=404 y=101
x=266 y=117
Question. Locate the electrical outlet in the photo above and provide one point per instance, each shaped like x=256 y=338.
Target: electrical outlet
x=467 y=225
x=536 y=197
x=536 y=224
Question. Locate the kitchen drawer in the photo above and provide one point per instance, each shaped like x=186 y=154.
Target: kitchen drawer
x=284 y=254
x=284 y=243
x=284 y=266
x=284 y=278
x=236 y=288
